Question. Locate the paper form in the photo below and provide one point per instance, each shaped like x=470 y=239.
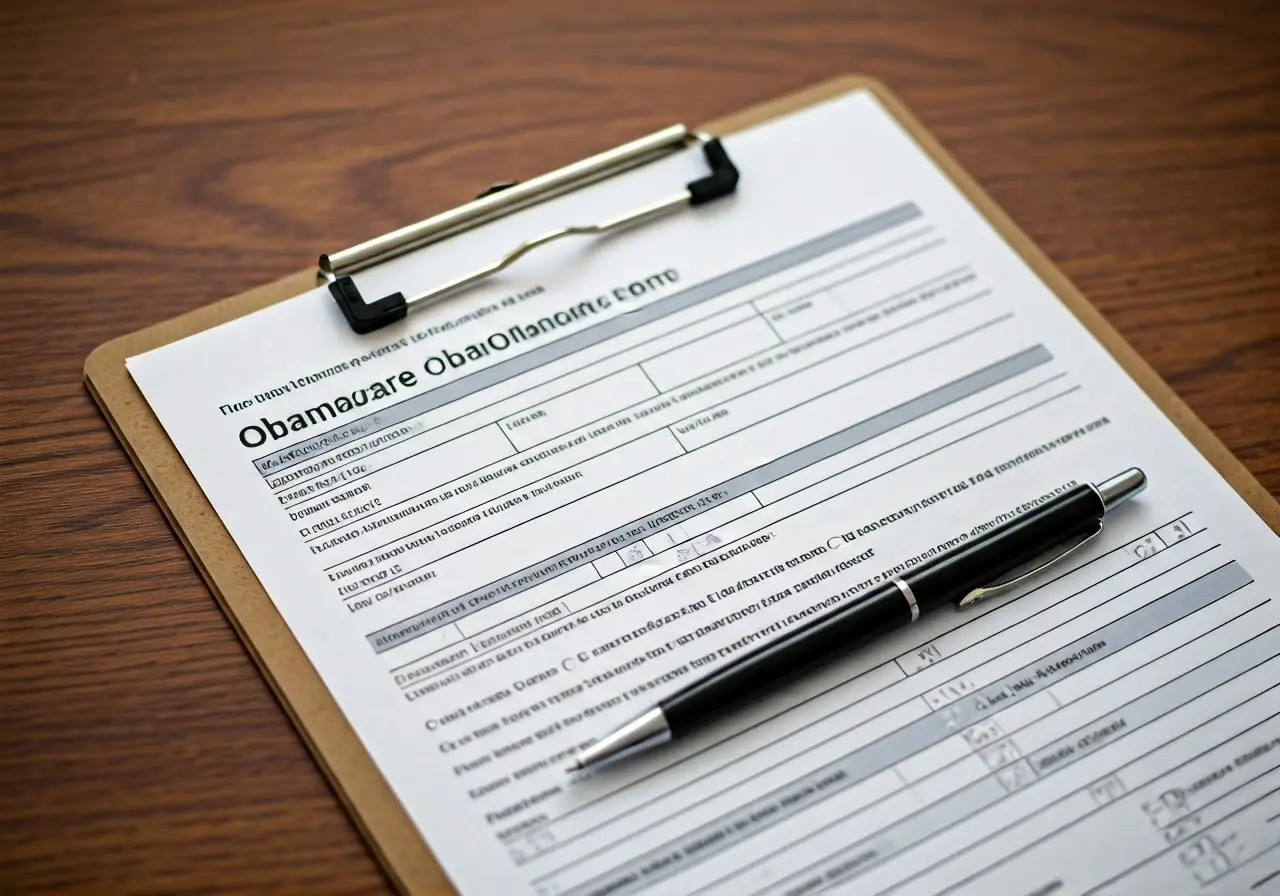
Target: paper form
x=518 y=518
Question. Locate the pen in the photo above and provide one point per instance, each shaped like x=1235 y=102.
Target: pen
x=995 y=561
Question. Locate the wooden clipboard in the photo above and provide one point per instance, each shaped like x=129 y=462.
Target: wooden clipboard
x=375 y=809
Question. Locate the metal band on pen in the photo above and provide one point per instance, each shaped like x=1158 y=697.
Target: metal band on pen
x=910 y=596
x=503 y=199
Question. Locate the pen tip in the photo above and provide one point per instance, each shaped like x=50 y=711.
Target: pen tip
x=574 y=766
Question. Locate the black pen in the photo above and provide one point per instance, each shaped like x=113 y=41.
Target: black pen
x=994 y=561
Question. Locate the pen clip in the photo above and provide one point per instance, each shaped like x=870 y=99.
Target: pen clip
x=1020 y=574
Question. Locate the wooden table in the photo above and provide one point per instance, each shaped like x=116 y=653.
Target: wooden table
x=159 y=156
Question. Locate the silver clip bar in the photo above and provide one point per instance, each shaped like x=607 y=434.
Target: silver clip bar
x=364 y=317
x=638 y=216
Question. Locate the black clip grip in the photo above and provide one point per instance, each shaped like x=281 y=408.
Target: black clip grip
x=365 y=317
x=722 y=180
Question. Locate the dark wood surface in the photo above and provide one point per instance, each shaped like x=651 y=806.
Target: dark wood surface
x=157 y=156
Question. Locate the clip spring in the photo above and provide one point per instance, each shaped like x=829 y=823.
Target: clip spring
x=503 y=199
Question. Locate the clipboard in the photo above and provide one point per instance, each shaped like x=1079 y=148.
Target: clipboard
x=385 y=825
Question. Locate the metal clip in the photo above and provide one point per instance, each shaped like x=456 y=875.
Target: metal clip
x=507 y=197
x=1020 y=574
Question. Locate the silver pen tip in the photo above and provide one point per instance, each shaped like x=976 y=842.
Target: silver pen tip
x=575 y=766
x=646 y=730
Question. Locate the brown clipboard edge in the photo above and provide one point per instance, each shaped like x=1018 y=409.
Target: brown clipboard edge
x=368 y=799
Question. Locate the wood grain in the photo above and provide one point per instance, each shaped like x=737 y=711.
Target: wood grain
x=155 y=157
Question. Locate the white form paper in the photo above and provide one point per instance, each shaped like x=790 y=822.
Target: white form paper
x=514 y=520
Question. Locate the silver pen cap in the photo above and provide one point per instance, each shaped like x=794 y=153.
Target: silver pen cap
x=1120 y=488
